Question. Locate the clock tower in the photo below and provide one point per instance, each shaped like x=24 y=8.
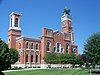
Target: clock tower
x=14 y=30
x=66 y=20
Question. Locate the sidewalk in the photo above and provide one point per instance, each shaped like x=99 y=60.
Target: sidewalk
x=22 y=69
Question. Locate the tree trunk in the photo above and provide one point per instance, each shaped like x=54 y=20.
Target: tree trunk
x=1 y=73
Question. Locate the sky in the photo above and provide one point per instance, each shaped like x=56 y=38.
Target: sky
x=37 y=14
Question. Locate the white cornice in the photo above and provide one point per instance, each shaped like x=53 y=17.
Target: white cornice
x=15 y=13
x=15 y=28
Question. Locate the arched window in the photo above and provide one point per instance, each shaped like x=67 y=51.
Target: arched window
x=19 y=57
x=73 y=50
x=48 y=46
x=11 y=22
x=31 y=57
x=16 y=22
x=32 y=46
x=27 y=45
x=8 y=40
x=66 y=47
x=58 y=46
x=19 y=45
x=36 y=58
x=26 y=57
x=36 y=46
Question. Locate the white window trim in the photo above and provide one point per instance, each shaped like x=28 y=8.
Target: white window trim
x=19 y=45
x=33 y=45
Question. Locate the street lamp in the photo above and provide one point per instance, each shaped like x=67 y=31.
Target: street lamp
x=90 y=68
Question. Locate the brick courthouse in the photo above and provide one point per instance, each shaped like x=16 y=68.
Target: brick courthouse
x=32 y=50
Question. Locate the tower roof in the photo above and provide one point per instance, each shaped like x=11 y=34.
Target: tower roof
x=16 y=13
x=67 y=11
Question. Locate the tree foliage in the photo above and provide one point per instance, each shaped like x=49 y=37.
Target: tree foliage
x=51 y=58
x=62 y=58
x=4 y=55
x=7 y=56
x=92 y=48
x=13 y=55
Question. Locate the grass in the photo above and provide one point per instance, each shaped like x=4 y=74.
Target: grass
x=52 y=72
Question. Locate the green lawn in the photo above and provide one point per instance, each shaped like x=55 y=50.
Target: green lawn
x=52 y=72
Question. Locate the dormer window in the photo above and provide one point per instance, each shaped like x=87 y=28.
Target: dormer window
x=16 y=22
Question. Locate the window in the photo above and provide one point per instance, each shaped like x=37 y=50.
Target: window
x=36 y=46
x=19 y=57
x=19 y=45
x=27 y=44
x=16 y=22
x=67 y=48
x=61 y=50
x=69 y=22
x=36 y=58
x=11 y=22
x=26 y=57
x=31 y=57
x=8 y=40
x=32 y=46
x=58 y=46
x=48 y=32
x=48 y=46
x=73 y=49
x=54 y=48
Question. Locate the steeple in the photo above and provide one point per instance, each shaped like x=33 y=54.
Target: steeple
x=66 y=20
x=14 y=30
x=15 y=21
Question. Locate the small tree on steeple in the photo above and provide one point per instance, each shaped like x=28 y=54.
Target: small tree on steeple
x=66 y=11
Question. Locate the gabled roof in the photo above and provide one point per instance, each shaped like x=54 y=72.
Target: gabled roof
x=56 y=31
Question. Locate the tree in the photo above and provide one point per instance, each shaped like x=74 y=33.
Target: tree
x=62 y=58
x=13 y=55
x=92 y=48
x=7 y=56
x=51 y=58
x=72 y=59
x=4 y=56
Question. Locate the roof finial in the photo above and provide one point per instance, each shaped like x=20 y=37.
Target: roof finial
x=67 y=11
